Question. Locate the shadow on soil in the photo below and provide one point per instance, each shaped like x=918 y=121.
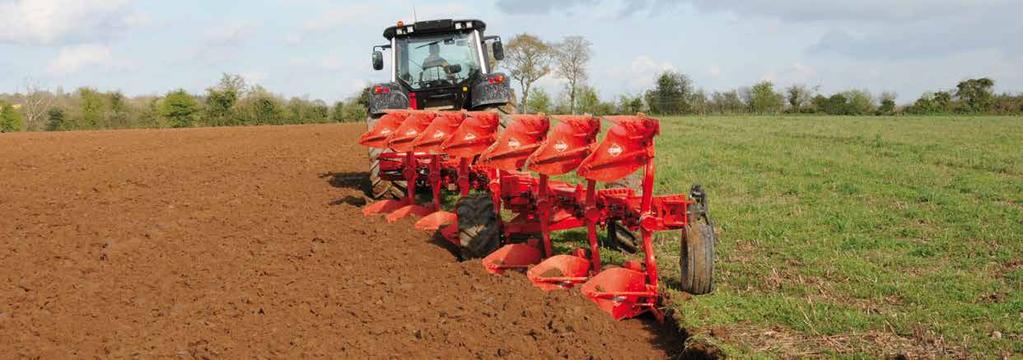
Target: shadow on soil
x=667 y=335
x=349 y=180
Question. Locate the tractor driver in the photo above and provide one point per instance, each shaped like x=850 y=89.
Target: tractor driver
x=434 y=59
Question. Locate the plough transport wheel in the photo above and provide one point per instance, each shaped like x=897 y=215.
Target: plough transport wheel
x=696 y=259
x=479 y=229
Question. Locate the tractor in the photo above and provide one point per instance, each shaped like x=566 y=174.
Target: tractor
x=435 y=65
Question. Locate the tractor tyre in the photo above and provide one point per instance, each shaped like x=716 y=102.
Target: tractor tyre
x=479 y=229
x=381 y=189
x=696 y=258
x=621 y=238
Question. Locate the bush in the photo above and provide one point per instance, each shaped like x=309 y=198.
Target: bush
x=10 y=119
x=179 y=108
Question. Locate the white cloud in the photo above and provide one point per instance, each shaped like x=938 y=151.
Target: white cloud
x=643 y=71
x=536 y=7
x=228 y=34
x=714 y=71
x=339 y=16
x=59 y=21
x=797 y=73
x=75 y=58
x=364 y=15
x=860 y=10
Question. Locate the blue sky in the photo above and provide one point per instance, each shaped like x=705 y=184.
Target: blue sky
x=320 y=49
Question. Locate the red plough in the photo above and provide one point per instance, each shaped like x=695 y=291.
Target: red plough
x=467 y=151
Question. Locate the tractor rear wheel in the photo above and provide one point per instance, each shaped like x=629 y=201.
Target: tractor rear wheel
x=479 y=229
x=621 y=238
x=381 y=189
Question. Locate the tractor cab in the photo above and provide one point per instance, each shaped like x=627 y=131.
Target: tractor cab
x=439 y=64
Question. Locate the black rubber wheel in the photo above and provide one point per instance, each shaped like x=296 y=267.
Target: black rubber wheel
x=621 y=238
x=479 y=229
x=696 y=259
x=379 y=188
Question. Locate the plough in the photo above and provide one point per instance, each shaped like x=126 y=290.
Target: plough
x=489 y=161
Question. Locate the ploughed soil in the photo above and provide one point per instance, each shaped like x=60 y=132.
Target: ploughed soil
x=250 y=243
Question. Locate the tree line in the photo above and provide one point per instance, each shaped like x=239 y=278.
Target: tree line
x=529 y=59
x=231 y=102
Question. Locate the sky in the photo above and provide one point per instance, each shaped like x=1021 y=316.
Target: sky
x=321 y=49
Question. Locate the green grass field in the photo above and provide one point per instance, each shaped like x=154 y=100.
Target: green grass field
x=854 y=236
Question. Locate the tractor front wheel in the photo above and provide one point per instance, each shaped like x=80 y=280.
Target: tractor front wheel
x=479 y=229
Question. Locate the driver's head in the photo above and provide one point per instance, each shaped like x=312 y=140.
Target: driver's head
x=434 y=49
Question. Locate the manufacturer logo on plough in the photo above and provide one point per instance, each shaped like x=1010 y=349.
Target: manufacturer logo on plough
x=614 y=150
x=561 y=146
x=514 y=143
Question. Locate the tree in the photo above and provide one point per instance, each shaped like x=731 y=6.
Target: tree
x=55 y=119
x=671 y=94
x=10 y=118
x=726 y=103
x=589 y=101
x=698 y=103
x=764 y=100
x=798 y=98
x=221 y=100
x=976 y=95
x=179 y=108
x=572 y=55
x=93 y=108
x=837 y=104
x=337 y=112
x=119 y=114
x=35 y=105
x=887 y=103
x=943 y=101
x=860 y=102
x=539 y=101
x=528 y=59
x=630 y=105
x=264 y=108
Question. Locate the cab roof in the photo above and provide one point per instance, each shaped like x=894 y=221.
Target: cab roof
x=433 y=27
